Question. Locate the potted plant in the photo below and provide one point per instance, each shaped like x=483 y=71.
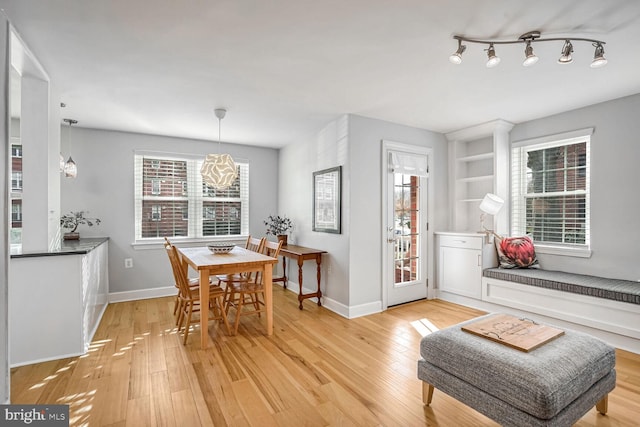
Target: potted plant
x=278 y=226
x=72 y=220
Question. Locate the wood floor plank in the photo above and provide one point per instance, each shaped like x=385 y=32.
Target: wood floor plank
x=318 y=369
x=140 y=413
x=185 y=409
x=254 y=408
x=161 y=402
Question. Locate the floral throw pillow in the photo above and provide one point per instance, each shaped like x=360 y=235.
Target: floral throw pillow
x=516 y=252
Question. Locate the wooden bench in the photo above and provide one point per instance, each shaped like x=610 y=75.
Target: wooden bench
x=611 y=305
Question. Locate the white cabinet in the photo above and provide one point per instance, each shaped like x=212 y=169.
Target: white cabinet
x=56 y=301
x=461 y=259
x=478 y=164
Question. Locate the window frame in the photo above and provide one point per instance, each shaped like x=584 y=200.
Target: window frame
x=156 y=185
x=16 y=181
x=194 y=198
x=519 y=152
x=16 y=212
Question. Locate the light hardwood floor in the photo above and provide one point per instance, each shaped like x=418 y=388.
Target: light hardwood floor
x=318 y=369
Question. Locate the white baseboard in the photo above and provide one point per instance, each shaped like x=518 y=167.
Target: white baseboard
x=328 y=303
x=335 y=306
x=338 y=307
x=142 y=294
x=365 y=309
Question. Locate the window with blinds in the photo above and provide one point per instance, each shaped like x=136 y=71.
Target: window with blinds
x=171 y=200
x=551 y=192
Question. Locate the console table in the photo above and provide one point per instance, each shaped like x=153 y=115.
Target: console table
x=301 y=254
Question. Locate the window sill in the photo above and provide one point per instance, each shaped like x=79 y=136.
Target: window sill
x=563 y=251
x=187 y=242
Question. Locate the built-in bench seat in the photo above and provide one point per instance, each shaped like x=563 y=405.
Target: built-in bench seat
x=600 y=287
x=610 y=305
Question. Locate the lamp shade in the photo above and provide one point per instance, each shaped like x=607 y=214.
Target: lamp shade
x=491 y=204
x=70 y=169
x=219 y=171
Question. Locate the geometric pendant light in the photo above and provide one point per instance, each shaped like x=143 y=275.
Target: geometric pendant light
x=219 y=170
x=70 y=168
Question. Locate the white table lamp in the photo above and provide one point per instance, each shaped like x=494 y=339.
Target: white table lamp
x=491 y=204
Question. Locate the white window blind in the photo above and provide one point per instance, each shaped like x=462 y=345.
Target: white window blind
x=550 y=192
x=409 y=163
x=171 y=200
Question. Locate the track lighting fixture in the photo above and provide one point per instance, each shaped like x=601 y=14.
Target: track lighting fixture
x=598 y=58
x=567 y=50
x=530 y=57
x=456 y=57
x=493 y=59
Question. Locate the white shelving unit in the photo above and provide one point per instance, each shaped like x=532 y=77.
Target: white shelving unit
x=478 y=164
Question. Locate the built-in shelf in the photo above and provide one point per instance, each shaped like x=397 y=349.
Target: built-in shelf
x=479 y=164
x=476 y=157
x=476 y=178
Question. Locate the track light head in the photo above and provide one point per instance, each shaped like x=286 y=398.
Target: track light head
x=493 y=59
x=565 y=56
x=456 y=57
x=530 y=57
x=598 y=57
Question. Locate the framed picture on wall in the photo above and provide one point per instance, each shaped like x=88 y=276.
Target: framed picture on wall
x=327 y=186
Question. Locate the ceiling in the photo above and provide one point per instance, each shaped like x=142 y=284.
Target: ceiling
x=284 y=68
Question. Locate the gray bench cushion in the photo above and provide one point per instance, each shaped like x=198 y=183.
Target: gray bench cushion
x=614 y=289
x=540 y=383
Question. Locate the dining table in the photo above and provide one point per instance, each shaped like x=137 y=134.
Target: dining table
x=238 y=260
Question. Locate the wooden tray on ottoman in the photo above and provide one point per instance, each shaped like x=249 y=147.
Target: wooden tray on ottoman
x=521 y=334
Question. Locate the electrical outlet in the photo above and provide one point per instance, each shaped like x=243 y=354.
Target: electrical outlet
x=128 y=263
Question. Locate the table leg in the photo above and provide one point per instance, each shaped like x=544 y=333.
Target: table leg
x=300 y=295
x=318 y=261
x=268 y=296
x=204 y=308
x=284 y=271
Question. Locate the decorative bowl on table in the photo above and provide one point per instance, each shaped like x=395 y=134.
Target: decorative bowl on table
x=221 y=247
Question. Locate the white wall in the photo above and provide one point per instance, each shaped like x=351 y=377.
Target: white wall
x=104 y=187
x=326 y=149
x=365 y=151
x=352 y=282
x=615 y=181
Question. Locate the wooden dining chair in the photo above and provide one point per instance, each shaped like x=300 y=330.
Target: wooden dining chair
x=253 y=244
x=189 y=297
x=248 y=297
x=193 y=283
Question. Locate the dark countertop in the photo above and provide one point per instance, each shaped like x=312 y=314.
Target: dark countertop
x=68 y=247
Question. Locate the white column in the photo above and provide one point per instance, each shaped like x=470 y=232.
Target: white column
x=34 y=135
x=4 y=211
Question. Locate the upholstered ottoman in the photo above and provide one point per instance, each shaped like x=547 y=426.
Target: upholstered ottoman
x=553 y=385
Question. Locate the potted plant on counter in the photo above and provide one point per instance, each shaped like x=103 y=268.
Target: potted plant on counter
x=278 y=226
x=72 y=220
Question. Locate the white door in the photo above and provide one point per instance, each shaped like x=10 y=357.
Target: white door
x=405 y=254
